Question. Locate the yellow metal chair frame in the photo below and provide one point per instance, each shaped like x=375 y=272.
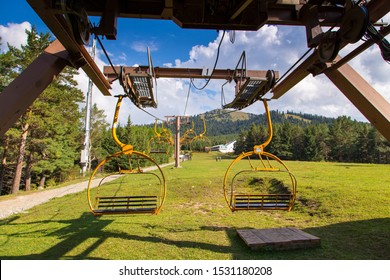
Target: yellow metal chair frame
x=160 y=138
x=260 y=201
x=200 y=137
x=105 y=205
x=188 y=135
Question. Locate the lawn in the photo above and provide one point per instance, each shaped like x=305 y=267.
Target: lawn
x=346 y=205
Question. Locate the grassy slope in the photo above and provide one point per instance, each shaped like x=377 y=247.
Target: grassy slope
x=346 y=205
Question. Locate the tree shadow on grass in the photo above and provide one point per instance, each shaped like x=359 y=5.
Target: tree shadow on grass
x=367 y=239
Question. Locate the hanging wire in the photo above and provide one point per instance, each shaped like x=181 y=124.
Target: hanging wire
x=108 y=57
x=380 y=40
x=150 y=114
x=293 y=66
x=232 y=36
x=223 y=100
x=215 y=65
x=188 y=96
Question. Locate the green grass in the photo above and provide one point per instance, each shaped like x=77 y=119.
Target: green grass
x=346 y=205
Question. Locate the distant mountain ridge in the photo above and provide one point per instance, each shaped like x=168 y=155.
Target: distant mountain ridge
x=225 y=122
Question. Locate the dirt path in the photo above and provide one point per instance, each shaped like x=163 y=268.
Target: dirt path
x=21 y=203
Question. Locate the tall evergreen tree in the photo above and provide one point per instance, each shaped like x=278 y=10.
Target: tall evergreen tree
x=342 y=139
x=49 y=129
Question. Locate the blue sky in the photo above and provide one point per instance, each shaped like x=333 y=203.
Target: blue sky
x=271 y=47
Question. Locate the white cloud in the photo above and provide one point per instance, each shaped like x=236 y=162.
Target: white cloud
x=142 y=46
x=14 y=34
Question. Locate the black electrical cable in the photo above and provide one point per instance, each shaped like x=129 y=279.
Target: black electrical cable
x=108 y=58
x=215 y=65
x=288 y=71
x=188 y=96
x=150 y=114
x=380 y=40
x=223 y=100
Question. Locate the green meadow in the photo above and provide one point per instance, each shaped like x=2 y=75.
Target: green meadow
x=346 y=205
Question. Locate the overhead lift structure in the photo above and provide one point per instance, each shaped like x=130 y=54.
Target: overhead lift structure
x=249 y=87
x=68 y=20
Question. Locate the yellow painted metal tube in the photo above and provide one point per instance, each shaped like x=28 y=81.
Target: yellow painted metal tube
x=258 y=149
x=115 y=125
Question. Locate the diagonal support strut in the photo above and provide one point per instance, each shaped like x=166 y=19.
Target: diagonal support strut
x=366 y=99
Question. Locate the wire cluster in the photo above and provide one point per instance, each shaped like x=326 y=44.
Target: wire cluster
x=373 y=34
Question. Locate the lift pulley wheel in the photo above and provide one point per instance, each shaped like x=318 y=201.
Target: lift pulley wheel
x=354 y=24
x=80 y=26
x=328 y=47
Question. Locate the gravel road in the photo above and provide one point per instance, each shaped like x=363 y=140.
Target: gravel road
x=21 y=203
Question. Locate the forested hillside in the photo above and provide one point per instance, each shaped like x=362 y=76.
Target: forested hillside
x=223 y=122
x=299 y=136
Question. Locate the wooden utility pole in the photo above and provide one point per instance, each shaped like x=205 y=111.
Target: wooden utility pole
x=177 y=137
x=177 y=143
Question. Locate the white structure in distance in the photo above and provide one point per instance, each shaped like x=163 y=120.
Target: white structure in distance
x=224 y=148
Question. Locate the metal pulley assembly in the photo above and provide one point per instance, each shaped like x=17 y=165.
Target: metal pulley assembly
x=329 y=47
x=354 y=24
x=352 y=29
x=77 y=19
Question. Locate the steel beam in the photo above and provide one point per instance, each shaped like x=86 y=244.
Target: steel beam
x=184 y=73
x=21 y=92
x=79 y=55
x=366 y=99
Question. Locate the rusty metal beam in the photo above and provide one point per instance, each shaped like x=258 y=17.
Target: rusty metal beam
x=240 y=9
x=78 y=54
x=366 y=99
x=21 y=92
x=290 y=15
x=184 y=73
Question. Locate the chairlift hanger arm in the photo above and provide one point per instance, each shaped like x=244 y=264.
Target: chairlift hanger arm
x=204 y=127
x=124 y=147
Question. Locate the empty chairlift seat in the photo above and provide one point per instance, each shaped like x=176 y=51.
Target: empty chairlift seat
x=261 y=202
x=126 y=204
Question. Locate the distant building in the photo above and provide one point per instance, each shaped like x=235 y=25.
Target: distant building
x=227 y=148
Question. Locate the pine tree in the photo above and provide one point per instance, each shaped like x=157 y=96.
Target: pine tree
x=49 y=130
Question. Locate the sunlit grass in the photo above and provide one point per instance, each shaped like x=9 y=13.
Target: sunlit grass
x=346 y=205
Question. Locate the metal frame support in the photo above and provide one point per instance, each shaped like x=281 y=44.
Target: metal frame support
x=109 y=20
x=183 y=73
x=21 y=92
x=366 y=99
x=309 y=15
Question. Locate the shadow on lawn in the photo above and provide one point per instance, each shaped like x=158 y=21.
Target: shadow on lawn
x=367 y=239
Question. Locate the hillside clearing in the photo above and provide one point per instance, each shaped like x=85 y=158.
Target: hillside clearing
x=346 y=205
